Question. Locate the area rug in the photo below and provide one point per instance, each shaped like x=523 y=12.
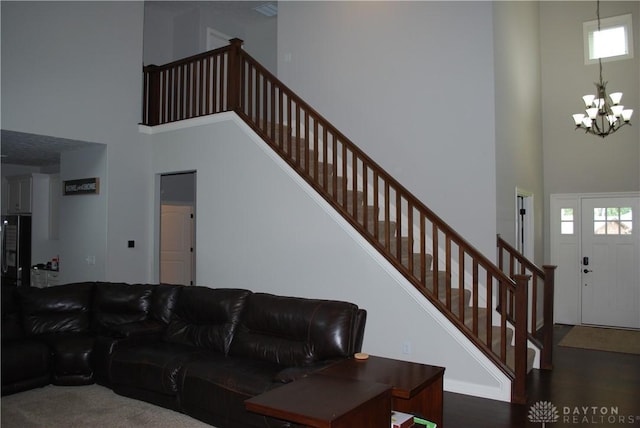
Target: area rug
x=90 y=406
x=603 y=339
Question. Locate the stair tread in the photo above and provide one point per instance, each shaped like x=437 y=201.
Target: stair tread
x=381 y=227
x=531 y=355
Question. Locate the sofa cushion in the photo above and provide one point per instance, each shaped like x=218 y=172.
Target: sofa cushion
x=152 y=367
x=71 y=358
x=59 y=309
x=115 y=304
x=11 y=320
x=293 y=331
x=214 y=390
x=245 y=375
x=206 y=318
x=163 y=302
x=25 y=365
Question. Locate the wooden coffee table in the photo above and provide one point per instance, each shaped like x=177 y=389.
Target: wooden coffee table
x=327 y=402
x=416 y=388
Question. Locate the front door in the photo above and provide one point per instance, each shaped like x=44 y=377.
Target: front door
x=610 y=268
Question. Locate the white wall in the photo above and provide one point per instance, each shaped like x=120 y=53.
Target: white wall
x=518 y=116
x=73 y=70
x=259 y=226
x=575 y=162
x=83 y=218
x=158 y=35
x=177 y=29
x=412 y=84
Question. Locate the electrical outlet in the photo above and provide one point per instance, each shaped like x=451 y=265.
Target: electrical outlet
x=406 y=347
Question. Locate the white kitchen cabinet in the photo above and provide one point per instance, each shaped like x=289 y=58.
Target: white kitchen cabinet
x=38 y=278
x=20 y=190
x=42 y=278
x=52 y=278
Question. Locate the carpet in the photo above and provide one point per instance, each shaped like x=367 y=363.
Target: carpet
x=90 y=406
x=603 y=339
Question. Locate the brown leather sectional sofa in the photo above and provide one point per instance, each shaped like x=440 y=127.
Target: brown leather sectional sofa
x=198 y=350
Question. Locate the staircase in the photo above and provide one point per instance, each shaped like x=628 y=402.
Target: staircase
x=492 y=306
x=457 y=302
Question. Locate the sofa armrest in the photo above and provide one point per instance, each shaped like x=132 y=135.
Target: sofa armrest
x=294 y=373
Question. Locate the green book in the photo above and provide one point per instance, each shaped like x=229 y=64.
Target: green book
x=424 y=422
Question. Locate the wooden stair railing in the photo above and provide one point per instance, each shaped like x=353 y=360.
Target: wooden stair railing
x=456 y=278
x=512 y=262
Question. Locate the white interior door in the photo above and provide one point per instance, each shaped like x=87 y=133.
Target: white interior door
x=611 y=261
x=176 y=244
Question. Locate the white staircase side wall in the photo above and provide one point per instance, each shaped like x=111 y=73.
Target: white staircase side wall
x=260 y=226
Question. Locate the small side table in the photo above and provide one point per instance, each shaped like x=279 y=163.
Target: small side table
x=327 y=402
x=416 y=388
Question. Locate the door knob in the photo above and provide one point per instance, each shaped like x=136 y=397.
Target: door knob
x=587 y=271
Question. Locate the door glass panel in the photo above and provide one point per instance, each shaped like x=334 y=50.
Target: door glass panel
x=626 y=221
x=613 y=221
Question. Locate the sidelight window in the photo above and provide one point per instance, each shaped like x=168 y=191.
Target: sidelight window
x=566 y=221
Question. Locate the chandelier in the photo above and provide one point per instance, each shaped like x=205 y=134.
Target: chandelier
x=604 y=113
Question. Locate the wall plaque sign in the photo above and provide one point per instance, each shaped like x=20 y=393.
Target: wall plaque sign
x=83 y=186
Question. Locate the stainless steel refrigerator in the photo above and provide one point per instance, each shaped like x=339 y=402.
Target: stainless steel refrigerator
x=16 y=250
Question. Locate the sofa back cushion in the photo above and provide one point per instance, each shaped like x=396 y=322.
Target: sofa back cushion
x=117 y=303
x=163 y=302
x=59 y=309
x=294 y=331
x=206 y=317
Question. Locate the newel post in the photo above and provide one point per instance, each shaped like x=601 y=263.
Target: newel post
x=234 y=79
x=521 y=316
x=546 y=357
x=151 y=104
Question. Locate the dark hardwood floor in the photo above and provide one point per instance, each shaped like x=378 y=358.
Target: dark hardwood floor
x=587 y=388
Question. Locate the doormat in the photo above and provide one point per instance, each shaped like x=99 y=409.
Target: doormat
x=603 y=339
